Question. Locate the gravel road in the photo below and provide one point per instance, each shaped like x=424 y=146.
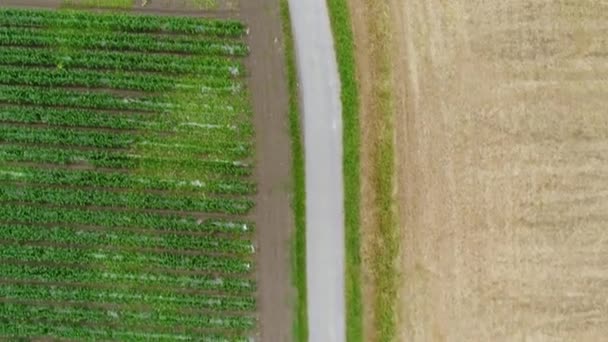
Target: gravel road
x=320 y=91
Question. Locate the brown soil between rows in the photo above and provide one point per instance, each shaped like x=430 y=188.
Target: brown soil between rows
x=502 y=145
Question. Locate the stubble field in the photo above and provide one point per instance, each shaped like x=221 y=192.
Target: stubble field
x=502 y=152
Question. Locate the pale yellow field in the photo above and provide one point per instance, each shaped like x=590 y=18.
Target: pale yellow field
x=502 y=143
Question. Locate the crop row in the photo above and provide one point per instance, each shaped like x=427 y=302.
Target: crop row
x=124 y=61
x=114 y=160
x=101 y=100
x=78 y=117
x=62 y=97
x=61 y=331
x=62 y=136
x=122 y=239
x=121 y=180
x=125 y=259
x=44 y=215
x=135 y=200
x=81 y=78
x=161 y=298
x=121 y=317
x=185 y=142
x=121 y=22
x=223 y=124
x=142 y=280
x=186 y=149
x=74 y=39
x=55 y=77
x=107 y=159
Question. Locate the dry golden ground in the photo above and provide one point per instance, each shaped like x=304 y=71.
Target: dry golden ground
x=502 y=169
x=368 y=212
x=379 y=242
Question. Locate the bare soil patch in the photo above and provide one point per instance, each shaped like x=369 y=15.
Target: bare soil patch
x=502 y=152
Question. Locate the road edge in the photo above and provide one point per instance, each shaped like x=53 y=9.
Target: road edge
x=300 y=324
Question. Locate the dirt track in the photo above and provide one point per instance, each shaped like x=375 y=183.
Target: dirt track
x=273 y=215
x=503 y=158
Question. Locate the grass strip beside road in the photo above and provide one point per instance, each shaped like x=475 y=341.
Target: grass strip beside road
x=385 y=242
x=299 y=183
x=344 y=45
x=383 y=238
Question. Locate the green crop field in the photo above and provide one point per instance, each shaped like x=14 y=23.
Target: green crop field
x=126 y=171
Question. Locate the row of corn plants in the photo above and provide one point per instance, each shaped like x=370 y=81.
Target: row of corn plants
x=121 y=22
x=149 y=280
x=201 y=123
x=159 y=298
x=70 y=332
x=122 y=317
x=121 y=219
x=126 y=61
x=123 y=239
x=76 y=39
x=110 y=159
x=130 y=199
x=60 y=77
x=199 y=142
x=126 y=259
x=97 y=100
x=114 y=179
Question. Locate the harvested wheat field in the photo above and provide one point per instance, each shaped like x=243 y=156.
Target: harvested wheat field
x=502 y=169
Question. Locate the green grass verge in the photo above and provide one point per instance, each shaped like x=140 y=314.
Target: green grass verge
x=385 y=245
x=299 y=191
x=344 y=44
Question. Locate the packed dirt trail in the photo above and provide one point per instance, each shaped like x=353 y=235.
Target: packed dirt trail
x=502 y=154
